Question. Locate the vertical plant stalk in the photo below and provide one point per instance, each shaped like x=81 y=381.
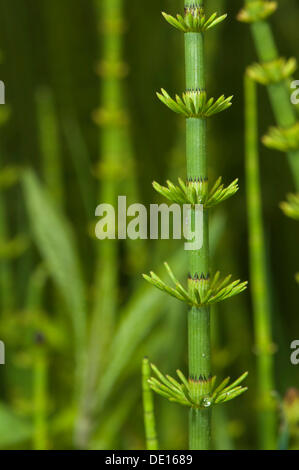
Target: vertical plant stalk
x=6 y=275
x=198 y=392
x=40 y=385
x=258 y=274
x=50 y=144
x=35 y=297
x=111 y=119
x=148 y=408
x=198 y=318
x=110 y=16
x=109 y=13
x=279 y=93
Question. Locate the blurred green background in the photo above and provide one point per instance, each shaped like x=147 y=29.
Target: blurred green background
x=69 y=381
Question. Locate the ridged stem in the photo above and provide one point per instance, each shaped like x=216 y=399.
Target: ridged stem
x=200 y=429
x=148 y=408
x=258 y=275
x=198 y=318
x=194 y=3
x=279 y=93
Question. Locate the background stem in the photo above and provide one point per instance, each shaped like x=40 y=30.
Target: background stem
x=258 y=274
x=148 y=408
x=40 y=436
x=279 y=93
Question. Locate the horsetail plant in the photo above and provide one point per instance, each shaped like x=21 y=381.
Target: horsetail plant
x=258 y=275
x=116 y=173
x=275 y=73
x=148 y=408
x=111 y=118
x=199 y=392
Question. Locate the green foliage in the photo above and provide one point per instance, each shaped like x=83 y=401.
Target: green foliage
x=272 y=72
x=198 y=392
x=281 y=139
x=197 y=192
x=13 y=248
x=290 y=412
x=9 y=176
x=201 y=291
x=195 y=103
x=14 y=429
x=56 y=244
x=146 y=321
x=291 y=206
x=194 y=21
x=130 y=333
x=256 y=11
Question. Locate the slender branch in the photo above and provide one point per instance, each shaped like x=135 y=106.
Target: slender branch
x=40 y=377
x=110 y=119
x=148 y=408
x=257 y=261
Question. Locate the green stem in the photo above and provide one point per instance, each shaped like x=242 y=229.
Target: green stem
x=199 y=429
x=258 y=274
x=40 y=437
x=148 y=408
x=50 y=144
x=6 y=275
x=110 y=14
x=198 y=319
x=279 y=93
x=35 y=297
x=112 y=122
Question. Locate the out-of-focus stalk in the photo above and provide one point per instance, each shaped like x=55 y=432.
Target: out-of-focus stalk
x=6 y=279
x=49 y=144
x=6 y=276
x=40 y=398
x=148 y=408
x=111 y=118
x=258 y=275
x=35 y=295
x=279 y=91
